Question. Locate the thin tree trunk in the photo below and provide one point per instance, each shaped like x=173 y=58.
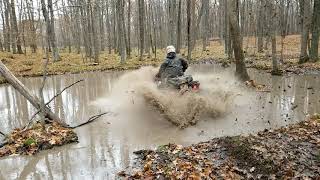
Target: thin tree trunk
x=179 y=28
x=189 y=29
x=314 y=51
x=227 y=44
x=273 y=20
x=33 y=43
x=260 y=25
x=120 y=16
x=6 y=26
x=14 y=25
x=205 y=24
x=241 y=70
x=141 y=27
x=305 y=6
x=129 y=29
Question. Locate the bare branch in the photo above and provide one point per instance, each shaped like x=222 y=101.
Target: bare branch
x=3 y=134
x=91 y=119
x=58 y=94
x=3 y=144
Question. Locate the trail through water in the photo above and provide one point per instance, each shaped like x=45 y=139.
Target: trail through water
x=106 y=145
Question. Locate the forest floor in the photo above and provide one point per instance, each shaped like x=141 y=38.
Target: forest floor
x=32 y=64
x=36 y=138
x=285 y=153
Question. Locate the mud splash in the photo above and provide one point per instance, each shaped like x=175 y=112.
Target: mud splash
x=214 y=99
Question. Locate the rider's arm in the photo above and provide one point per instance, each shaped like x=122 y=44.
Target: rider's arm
x=184 y=64
x=162 y=68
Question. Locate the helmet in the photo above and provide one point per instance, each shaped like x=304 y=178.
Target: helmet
x=171 y=49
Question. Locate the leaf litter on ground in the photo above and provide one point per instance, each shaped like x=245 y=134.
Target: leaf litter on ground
x=31 y=141
x=291 y=152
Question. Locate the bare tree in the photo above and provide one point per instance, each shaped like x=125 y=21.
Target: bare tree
x=141 y=26
x=15 y=31
x=314 y=51
x=178 y=43
x=189 y=29
x=305 y=14
x=129 y=29
x=273 y=25
x=123 y=53
x=32 y=27
x=241 y=70
x=51 y=37
x=260 y=24
x=205 y=24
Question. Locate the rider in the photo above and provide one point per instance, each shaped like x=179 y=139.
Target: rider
x=173 y=66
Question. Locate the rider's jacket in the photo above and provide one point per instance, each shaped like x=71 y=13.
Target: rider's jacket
x=173 y=66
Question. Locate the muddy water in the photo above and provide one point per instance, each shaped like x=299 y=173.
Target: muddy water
x=106 y=145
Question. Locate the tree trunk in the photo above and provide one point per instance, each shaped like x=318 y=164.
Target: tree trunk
x=55 y=51
x=241 y=70
x=154 y=30
x=129 y=28
x=95 y=31
x=179 y=28
x=305 y=9
x=33 y=43
x=273 y=27
x=227 y=38
x=189 y=29
x=15 y=31
x=11 y=32
x=51 y=38
x=205 y=24
x=314 y=51
x=141 y=27
x=121 y=34
x=6 y=26
x=260 y=25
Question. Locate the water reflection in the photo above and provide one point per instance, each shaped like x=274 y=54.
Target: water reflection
x=106 y=146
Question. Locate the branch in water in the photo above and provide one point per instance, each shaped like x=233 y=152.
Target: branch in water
x=3 y=144
x=91 y=119
x=3 y=134
x=58 y=94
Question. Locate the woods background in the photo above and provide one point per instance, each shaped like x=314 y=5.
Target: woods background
x=141 y=27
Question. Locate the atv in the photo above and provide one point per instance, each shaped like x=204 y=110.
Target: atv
x=183 y=84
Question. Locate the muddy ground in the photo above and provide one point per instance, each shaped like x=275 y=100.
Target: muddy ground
x=285 y=153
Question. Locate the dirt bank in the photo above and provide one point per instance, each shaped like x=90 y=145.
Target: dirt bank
x=289 y=152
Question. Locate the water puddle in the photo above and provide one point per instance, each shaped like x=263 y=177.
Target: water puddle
x=106 y=145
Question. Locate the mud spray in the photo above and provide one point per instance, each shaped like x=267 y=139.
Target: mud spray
x=135 y=89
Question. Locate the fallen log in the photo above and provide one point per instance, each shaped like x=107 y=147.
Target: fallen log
x=25 y=92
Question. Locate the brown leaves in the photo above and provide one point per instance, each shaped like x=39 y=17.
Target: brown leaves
x=274 y=154
x=37 y=138
x=258 y=87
